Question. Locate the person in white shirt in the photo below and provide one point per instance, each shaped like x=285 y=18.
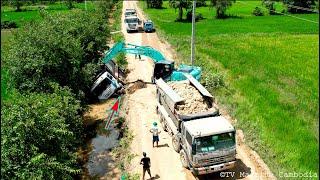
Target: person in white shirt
x=155 y=134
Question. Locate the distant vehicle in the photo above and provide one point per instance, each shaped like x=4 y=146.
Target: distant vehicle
x=148 y=26
x=132 y=23
x=130 y=12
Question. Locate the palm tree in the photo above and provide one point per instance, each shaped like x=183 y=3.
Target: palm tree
x=221 y=7
x=180 y=5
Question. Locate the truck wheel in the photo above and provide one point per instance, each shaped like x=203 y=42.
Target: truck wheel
x=164 y=127
x=176 y=143
x=184 y=159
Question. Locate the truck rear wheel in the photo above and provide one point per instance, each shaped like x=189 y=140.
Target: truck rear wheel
x=176 y=143
x=163 y=124
x=184 y=159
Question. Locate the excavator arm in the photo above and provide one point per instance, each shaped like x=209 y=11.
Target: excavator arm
x=161 y=64
x=119 y=47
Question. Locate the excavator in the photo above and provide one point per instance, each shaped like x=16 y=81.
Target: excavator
x=107 y=84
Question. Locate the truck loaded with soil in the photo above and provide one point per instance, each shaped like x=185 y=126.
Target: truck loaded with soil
x=204 y=138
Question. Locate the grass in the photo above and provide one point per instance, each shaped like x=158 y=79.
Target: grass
x=116 y=26
x=32 y=12
x=270 y=68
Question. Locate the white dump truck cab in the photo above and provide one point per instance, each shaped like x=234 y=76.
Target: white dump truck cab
x=132 y=23
x=209 y=146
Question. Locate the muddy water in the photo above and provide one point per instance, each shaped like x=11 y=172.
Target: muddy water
x=96 y=154
x=99 y=158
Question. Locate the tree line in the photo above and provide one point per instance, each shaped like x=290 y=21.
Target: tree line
x=17 y=4
x=51 y=64
x=221 y=6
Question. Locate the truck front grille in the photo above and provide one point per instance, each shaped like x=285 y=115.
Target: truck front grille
x=216 y=160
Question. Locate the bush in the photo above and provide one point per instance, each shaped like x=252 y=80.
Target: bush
x=121 y=60
x=8 y=24
x=154 y=3
x=39 y=135
x=57 y=49
x=213 y=81
x=270 y=5
x=197 y=18
x=201 y=3
x=257 y=11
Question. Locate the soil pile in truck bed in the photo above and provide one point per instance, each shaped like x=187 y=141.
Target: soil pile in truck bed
x=194 y=101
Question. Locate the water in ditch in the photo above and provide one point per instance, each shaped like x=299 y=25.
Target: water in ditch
x=97 y=160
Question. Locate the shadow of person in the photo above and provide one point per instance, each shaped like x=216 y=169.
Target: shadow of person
x=155 y=177
x=163 y=145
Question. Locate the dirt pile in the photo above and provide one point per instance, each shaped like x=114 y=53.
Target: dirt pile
x=194 y=101
x=136 y=85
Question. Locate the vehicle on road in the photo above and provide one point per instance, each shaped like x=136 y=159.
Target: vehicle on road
x=205 y=140
x=132 y=23
x=148 y=26
x=130 y=12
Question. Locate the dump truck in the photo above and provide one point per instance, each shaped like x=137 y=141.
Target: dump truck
x=130 y=12
x=204 y=138
x=132 y=23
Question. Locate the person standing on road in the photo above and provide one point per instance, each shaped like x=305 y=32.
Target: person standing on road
x=155 y=134
x=135 y=56
x=145 y=161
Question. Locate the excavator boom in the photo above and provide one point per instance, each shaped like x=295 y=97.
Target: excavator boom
x=132 y=49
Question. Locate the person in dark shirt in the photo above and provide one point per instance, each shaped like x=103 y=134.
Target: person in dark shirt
x=145 y=161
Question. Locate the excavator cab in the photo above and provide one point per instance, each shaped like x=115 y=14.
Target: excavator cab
x=162 y=69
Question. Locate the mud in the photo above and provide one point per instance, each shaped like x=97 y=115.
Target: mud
x=135 y=86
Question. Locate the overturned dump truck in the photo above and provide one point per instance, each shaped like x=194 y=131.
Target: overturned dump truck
x=204 y=139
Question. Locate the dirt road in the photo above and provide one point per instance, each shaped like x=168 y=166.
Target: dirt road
x=141 y=113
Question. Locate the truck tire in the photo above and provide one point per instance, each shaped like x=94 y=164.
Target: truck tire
x=184 y=159
x=163 y=124
x=176 y=143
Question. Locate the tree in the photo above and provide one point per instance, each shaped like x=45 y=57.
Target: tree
x=60 y=49
x=221 y=7
x=154 y=3
x=69 y=4
x=201 y=3
x=39 y=135
x=299 y=6
x=17 y=4
x=270 y=6
x=180 y=5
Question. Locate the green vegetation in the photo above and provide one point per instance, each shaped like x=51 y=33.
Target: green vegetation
x=47 y=68
x=264 y=71
x=39 y=134
x=30 y=13
x=65 y=47
x=116 y=26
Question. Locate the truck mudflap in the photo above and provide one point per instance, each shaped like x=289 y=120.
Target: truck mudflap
x=213 y=168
